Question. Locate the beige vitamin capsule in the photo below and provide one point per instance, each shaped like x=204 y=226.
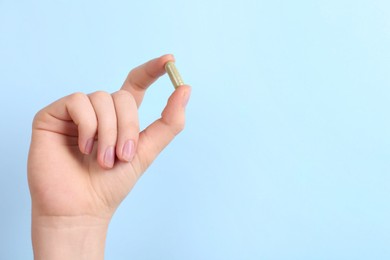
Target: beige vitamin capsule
x=174 y=74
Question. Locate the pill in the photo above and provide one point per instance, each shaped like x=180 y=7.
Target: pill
x=174 y=74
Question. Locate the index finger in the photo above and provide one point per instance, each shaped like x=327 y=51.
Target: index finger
x=140 y=78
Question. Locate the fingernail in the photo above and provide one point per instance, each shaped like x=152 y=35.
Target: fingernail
x=128 y=150
x=186 y=97
x=89 y=146
x=109 y=157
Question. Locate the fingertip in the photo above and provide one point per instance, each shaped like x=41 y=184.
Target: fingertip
x=182 y=89
x=127 y=151
x=87 y=149
x=106 y=159
x=182 y=94
x=185 y=88
x=186 y=96
x=162 y=61
x=167 y=57
x=145 y=74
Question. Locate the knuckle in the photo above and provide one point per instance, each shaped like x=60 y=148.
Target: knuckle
x=131 y=75
x=122 y=94
x=39 y=118
x=174 y=124
x=179 y=127
x=38 y=115
x=100 y=95
x=176 y=127
x=77 y=97
x=130 y=80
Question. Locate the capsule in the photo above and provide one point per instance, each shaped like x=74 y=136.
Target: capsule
x=174 y=74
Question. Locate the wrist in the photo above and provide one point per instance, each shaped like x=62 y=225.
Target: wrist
x=68 y=237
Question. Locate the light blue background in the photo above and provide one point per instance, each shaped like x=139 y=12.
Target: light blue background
x=286 y=150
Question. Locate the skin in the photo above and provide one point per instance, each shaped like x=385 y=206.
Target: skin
x=86 y=154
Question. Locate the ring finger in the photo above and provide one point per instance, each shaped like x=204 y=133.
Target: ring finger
x=107 y=127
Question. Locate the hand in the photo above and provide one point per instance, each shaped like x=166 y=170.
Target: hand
x=87 y=152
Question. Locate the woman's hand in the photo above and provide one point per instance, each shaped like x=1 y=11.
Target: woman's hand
x=86 y=154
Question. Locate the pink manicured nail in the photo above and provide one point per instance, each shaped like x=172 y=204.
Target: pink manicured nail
x=186 y=97
x=89 y=146
x=128 y=150
x=109 y=157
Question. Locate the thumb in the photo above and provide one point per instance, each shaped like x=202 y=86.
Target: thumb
x=161 y=132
